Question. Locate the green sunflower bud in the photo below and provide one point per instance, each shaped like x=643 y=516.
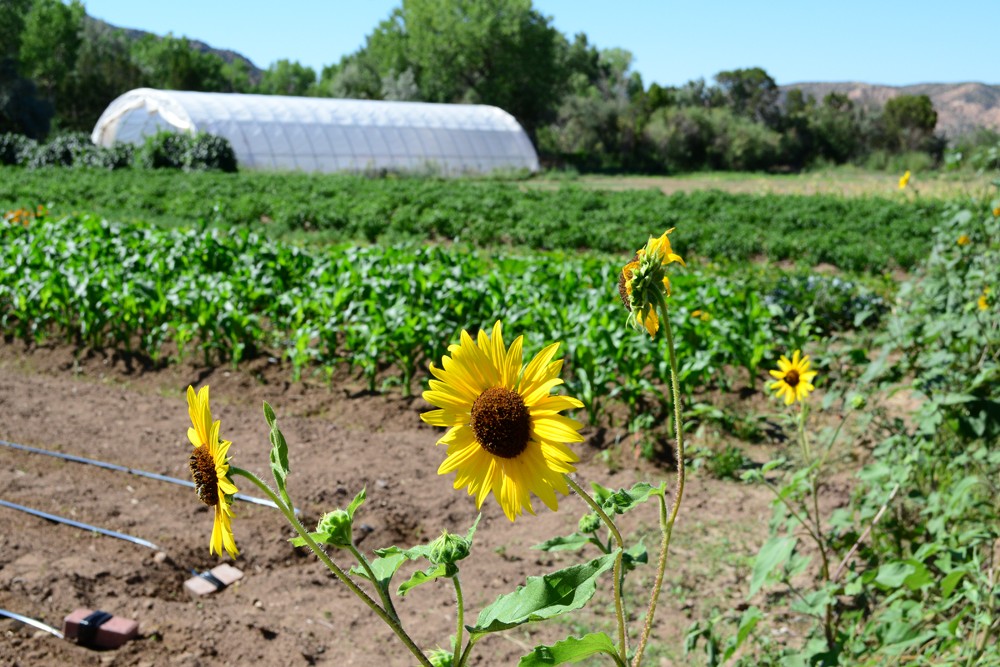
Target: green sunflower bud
x=336 y=528
x=448 y=549
x=441 y=658
x=589 y=523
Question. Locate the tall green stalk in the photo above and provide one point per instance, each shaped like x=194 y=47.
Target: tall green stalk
x=666 y=522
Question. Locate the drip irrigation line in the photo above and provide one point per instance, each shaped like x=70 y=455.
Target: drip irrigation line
x=32 y=622
x=133 y=471
x=80 y=524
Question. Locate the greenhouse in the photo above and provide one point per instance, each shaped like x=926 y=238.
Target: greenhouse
x=314 y=134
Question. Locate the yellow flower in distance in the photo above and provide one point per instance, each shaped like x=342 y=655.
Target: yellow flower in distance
x=794 y=379
x=996 y=212
x=210 y=470
x=984 y=299
x=506 y=436
x=904 y=179
x=964 y=240
x=643 y=284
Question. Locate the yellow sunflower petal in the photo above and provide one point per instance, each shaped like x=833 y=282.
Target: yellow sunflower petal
x=444 y=417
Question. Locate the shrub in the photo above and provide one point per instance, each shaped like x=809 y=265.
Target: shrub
x=207 y=151
x=67 y=150
x=201 y=152
x=163 y=150
x=16 y=149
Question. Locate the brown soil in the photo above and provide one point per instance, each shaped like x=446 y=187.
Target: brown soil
x=288 y=610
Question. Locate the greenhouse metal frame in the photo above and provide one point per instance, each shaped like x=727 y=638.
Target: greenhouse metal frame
x=314 y=134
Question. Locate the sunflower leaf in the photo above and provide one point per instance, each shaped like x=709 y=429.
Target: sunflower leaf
x=430 y=574
x=357 y=502
x=568 y=543
x=571 y=649
x=635 y=555
x=318 y=537
x=383 y=567
x=544 y=597
x=279 y=452
x=623 y=500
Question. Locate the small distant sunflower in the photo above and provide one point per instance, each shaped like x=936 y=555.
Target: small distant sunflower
x=506 y=435
x=643 y=284
x=794 y=379
x=210 y=470
x=984 y=299
x=964 y=240
x=904 y=180
x=996 y=212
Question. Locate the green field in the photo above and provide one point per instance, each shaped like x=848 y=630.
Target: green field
x=803 y=229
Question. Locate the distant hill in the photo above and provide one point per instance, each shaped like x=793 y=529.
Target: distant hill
x=227 y=55
x=961 y=107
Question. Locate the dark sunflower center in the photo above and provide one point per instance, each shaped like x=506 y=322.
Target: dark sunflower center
x=792 y=378
x=206 y=482
x=501 y=422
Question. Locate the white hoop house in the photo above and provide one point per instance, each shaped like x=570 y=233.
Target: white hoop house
x=322 y=134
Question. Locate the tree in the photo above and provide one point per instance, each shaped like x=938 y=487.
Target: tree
x=909 y=122
x=499 y=52
x=50 y=42
x=751 y=93
x=103 y=70
x=12 y=15
x=285 y=77
x=21 y=109
x=171 y=63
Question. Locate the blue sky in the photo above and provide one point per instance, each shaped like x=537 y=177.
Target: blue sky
x=874 y=41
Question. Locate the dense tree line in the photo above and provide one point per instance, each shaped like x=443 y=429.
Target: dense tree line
x=583 y=107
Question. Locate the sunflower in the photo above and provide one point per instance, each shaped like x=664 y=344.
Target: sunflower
x=794 y=379
x=210 y=470
x=904 y=180
x=983 y=303
x=506 y=435
x=964 y=240
x=643 y=283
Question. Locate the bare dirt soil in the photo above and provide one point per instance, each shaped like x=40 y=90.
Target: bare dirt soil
x=288 y=610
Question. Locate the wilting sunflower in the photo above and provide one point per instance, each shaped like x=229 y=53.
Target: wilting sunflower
x=643 y=284
x=794 y=379
x=210 y=470
x=506 y=435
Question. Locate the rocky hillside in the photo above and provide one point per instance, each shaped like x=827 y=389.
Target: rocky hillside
x=961 y=107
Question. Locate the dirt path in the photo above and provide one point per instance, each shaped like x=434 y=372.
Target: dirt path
x=288 y=610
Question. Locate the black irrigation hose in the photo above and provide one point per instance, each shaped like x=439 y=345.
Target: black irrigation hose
x=32 y=622
x=79 y=524
x=133 y=471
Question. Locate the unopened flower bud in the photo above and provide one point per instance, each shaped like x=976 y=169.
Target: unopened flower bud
x=441 y=658
x=448 y=549
x=337 y=527
x=589 y=523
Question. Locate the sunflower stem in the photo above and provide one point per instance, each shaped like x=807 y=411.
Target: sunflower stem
x=382 y=593
x=667 y=525
x=333 y=567
x=455 y=655
x=617 y=572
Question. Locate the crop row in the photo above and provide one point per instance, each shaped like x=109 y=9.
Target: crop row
x=384 y=313
x=851 y=233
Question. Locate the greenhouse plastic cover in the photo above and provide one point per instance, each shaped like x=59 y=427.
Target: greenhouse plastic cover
x=323 y=134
